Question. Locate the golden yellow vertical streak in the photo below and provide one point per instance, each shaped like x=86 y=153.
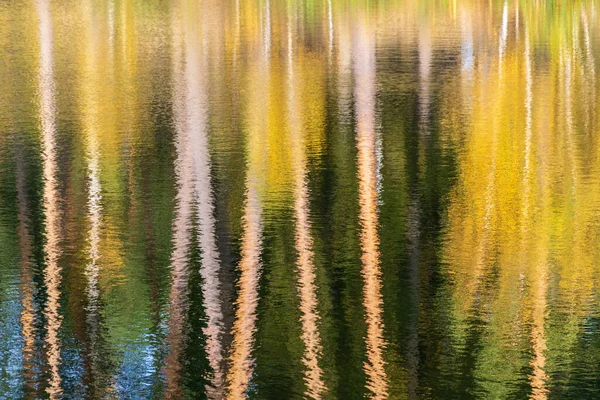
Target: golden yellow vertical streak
x=364 y=95
x=538 y=379
x=490 y=201
x=182 y=223
x=27 y=318
x=196 y=124
x=244 y=326
x=52 y=271
x=307 y=289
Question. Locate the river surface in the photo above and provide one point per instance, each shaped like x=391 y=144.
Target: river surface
x=276 y=199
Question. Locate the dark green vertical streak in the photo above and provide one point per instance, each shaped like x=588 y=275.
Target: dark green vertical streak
x=316 y=180
x=428 y=180
x=339 y=212
x=18 y=133
x=33 y=379
x=584 y=380
x=9 y=276
x=437 y=371
x=228 y=174
x=78 y=379
x=393 y=237
x=154 y=167
x=278 y=349
x=560 y=327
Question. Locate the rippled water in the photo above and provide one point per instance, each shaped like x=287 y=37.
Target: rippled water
x=299 y=199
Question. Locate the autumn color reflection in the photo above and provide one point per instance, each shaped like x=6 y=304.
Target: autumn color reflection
x=263 y=199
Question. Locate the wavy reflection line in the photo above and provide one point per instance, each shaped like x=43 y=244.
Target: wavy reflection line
x=28 y=308
x=364 y=69
x=178 y=303
x=179 y=262
x=245 y=316
x=490 y=204
x=196 y=120
x=52 y=271
x=194 y=189
x=307 y=288
x=244 y=326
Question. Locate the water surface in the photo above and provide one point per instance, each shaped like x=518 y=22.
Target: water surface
x=299 y=199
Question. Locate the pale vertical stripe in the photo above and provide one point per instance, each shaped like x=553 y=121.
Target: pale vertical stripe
x=244 y=326
x=241 y=354
x=364 y=69
x=178 y=303
x=196 y=124
x=94 y=206
x=52 y=271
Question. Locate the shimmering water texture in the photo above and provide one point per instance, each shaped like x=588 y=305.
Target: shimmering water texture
x=271 y=199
